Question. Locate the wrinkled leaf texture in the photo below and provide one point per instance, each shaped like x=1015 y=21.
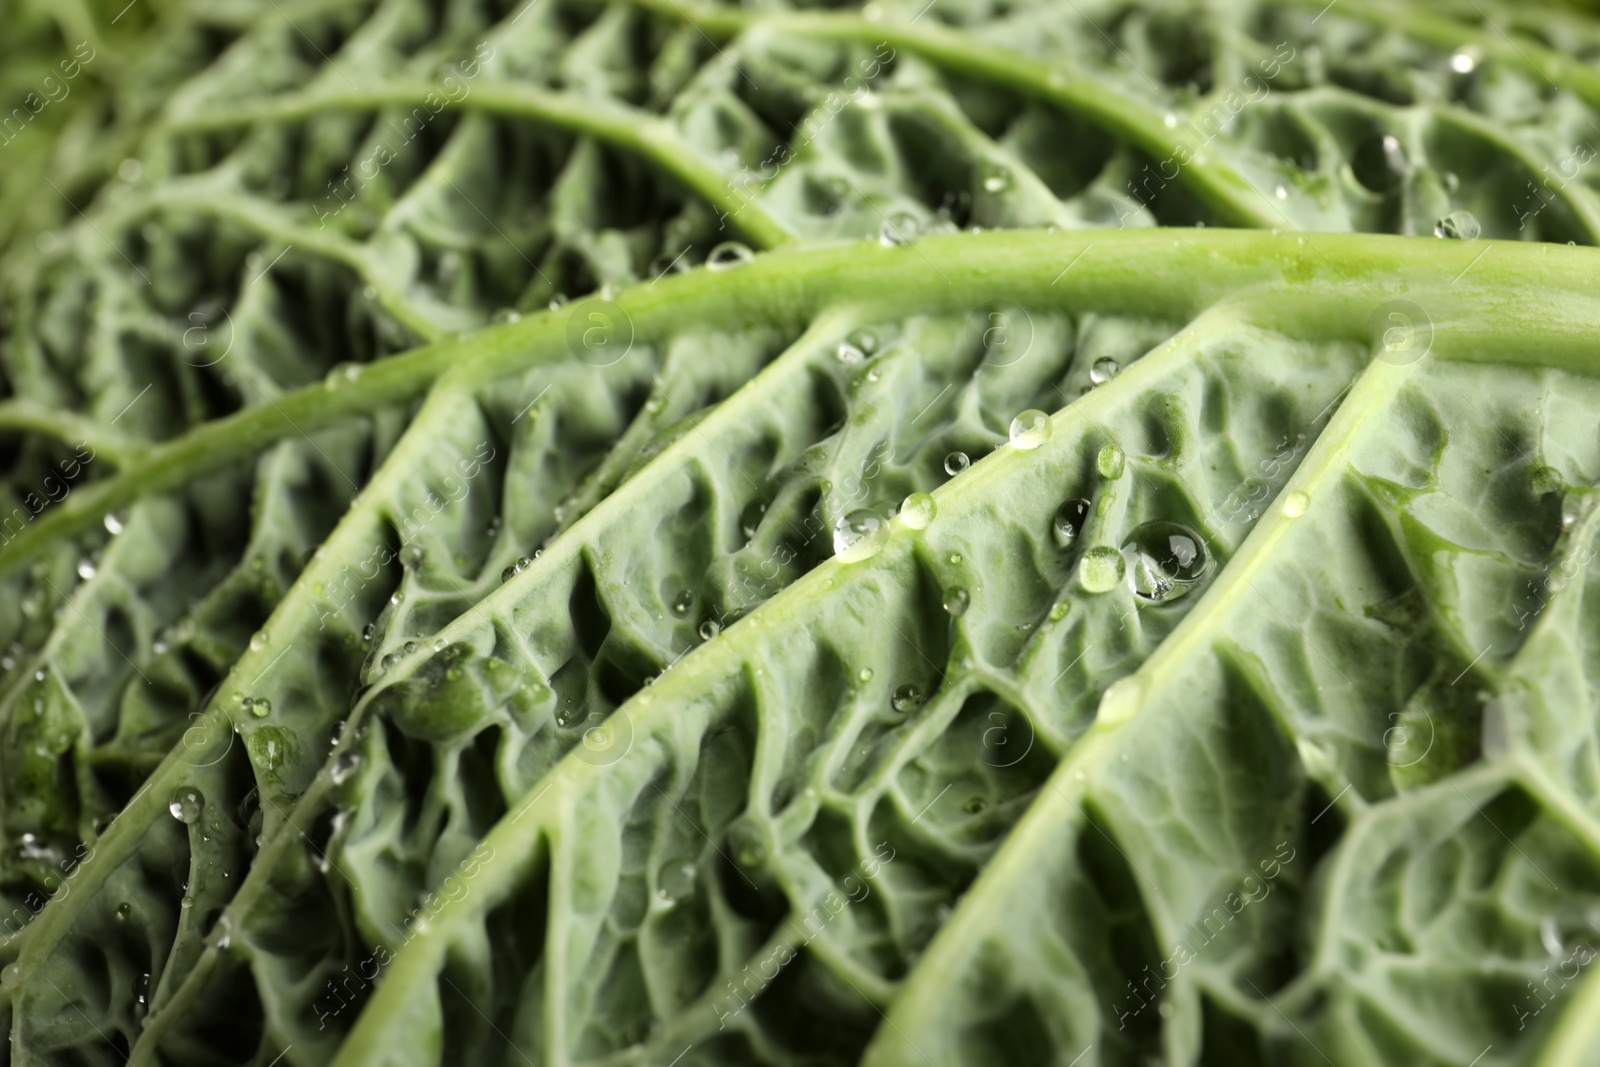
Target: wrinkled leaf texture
x=461 y=606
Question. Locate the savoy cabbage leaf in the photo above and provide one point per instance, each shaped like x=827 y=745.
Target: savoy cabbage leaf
x=601 y=532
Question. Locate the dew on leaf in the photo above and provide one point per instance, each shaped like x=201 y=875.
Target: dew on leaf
x=186 y=805
x=907 y=698
x=955 y=463
x=1166 y=560
x=1110 y=461
x=675 y=881
x=858 y=536
x=917 y=510
x=729 y=254
x=1103 y=370
x=900 y=228
x=1458 y=226
x=1100 y=569
x=1030 y=429
x=1069 y=520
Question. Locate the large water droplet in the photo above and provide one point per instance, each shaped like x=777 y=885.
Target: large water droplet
x=900 y=228
x=1458 y=226
x=412 y=555
x=996 y=178
x=917 y=510
x=956 y=601
x=709 y=628
x=849 y=353
x=1295 y=504
x=113 y=523
x=675 y=881
x=1380 y=163
x=864 y=340
x=1030 y=429
x=955 y=463
x=729 y=254
x=1167 y=560
x=1110 y=461
x=858 y=536
x=345 y=764
x=186 y=805
x=1069 y=521
x=86 y=569
x=907 y=698
x=1100 y=569
x=1104 y=370
x=683 y=603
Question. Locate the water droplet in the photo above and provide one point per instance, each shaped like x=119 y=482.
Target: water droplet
x=1550 y=936
x=259 y=641
x=1110 y=461
x=1167 y=560
x=114 y=523
x=1380 y=163
x=1069 y=521
x=849 y=353
x=412 y=555
x=955 y=559
x=1169 y=120
x=996 y=178
x=864 y=674
x=748 y=845
x=709 y=629
x=955 y=463
x=345 y=764
x=123 y=911
x=408 y=648
x=341 y=375
x=1030 y=429
x=675 y=881
x=515 y=569
x=1464 y=61
x=1058 y=611
x=222 y=934
x=729 y=254
x=750 y=518
x=858 y=536
x=1295 y=504
x=1281 y=192
x=186 y=805
x=368 y=632
x=956 y=601
x=900 y=228
x=1100 y=569
x=974 y=805
x=11 y=975
x=1458 y=226
x=1104 y=370
x=907 y=698
x=683 y=602
x=86 y=569
x=260 y=707
x=557 y=302
x=865 y=340
x=917 y=510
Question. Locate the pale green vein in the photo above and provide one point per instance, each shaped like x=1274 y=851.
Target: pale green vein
x=646 y=135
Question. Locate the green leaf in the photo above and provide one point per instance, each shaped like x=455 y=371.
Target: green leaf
x=637 y=533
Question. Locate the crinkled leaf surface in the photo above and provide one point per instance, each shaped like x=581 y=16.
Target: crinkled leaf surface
x=612 y=533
